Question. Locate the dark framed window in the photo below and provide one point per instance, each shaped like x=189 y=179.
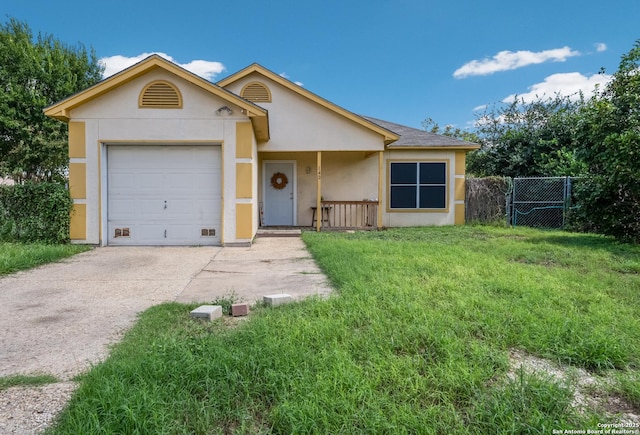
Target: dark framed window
x=418 y=185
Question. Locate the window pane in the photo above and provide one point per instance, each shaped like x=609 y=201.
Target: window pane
x=433 y=197
x=433 y=173
x=403 y=196
x=403 y=173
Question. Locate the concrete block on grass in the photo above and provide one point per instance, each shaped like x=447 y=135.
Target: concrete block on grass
x=207 y=312
x=275 y=300
x=239 y=310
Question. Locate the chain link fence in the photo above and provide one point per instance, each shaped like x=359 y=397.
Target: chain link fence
x=539 y=202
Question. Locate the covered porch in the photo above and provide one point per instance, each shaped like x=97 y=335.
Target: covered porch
x=321 y=189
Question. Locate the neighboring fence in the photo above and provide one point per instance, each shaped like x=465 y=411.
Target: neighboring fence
x=541 y=202
x=486 y=199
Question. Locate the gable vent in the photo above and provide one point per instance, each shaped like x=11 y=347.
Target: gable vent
x=160 y=95
x=256 y=93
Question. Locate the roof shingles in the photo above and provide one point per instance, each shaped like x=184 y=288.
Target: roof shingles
x=415 y=138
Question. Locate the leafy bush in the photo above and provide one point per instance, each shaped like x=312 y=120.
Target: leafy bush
x=607 y=208
x=35 y=212
x=609 y=134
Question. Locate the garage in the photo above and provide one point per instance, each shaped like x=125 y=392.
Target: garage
x=163 y=195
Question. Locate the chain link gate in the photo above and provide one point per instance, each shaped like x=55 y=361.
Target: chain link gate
x=540 y=202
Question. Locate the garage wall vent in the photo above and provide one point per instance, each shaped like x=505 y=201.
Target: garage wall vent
x=256 y=92
x=160 y=94
x=121 y=232
x=208 y=232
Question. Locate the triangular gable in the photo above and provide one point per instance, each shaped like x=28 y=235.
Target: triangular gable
x=388 y=135
x=61 y=110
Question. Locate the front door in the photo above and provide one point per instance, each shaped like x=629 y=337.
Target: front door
x=279 y=193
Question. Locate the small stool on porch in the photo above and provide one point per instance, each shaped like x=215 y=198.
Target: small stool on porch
x=324 y=216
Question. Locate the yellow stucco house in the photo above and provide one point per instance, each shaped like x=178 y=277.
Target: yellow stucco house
x=160 y=156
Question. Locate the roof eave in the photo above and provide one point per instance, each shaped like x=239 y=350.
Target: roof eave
x=261 y=128
x=469 y=147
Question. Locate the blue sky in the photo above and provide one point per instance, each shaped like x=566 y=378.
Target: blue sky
x=401 y=60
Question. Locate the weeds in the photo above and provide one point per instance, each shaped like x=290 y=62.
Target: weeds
x=19 y=256
x=226 y=300
x=26 y=381
x=416 y=340
x=530 y=403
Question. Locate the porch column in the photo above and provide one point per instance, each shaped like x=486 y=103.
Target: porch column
x=380 y=187
x=319 y=191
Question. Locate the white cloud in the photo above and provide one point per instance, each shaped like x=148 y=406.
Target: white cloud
x=480 y=107
x=204 y=68
x=600 y=46
x=284 y=75
x=508 y=60
x=564 y=84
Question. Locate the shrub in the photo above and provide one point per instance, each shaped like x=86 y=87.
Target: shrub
x=608 y=132
x=608 y=209
x=35 y=212
x=486 y=200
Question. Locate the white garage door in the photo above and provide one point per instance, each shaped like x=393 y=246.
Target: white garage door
x=163 y=195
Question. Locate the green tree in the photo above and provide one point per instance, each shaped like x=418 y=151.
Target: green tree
x=449 y=130
x=527 y=139
x=35 y=73
x=608 y=136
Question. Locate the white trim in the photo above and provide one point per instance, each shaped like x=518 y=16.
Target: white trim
x=104 y=177
x=295 y=185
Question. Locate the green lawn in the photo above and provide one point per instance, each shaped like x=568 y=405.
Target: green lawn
x=416 y=340
x=26 y=381
x=20 y=256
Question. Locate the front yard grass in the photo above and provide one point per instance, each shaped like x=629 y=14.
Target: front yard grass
x=21 y=256
x=26 y=381
x=417 y=339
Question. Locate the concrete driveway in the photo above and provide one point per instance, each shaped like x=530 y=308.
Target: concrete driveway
x=61 y=318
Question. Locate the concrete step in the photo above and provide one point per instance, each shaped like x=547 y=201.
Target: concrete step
x=207 y=312
x=279 y=232
x=277 y=299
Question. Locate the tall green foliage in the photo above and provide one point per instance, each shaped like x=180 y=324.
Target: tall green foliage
x=449 y=130
x=597 y=138
x=527 y=139
x=35 y=212
x=608 y=138
x=35 y=73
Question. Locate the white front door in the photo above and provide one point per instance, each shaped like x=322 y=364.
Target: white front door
x=163 y=195
x=279 y=193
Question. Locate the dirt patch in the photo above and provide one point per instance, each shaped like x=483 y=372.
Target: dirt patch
x=590 y=391
x=30 y=410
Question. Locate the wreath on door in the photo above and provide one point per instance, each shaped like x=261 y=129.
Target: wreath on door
x=279 y=181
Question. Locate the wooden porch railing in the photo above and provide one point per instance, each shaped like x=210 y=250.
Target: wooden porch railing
x=348 y=214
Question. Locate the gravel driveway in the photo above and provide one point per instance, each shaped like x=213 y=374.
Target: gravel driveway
x=61 y=318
